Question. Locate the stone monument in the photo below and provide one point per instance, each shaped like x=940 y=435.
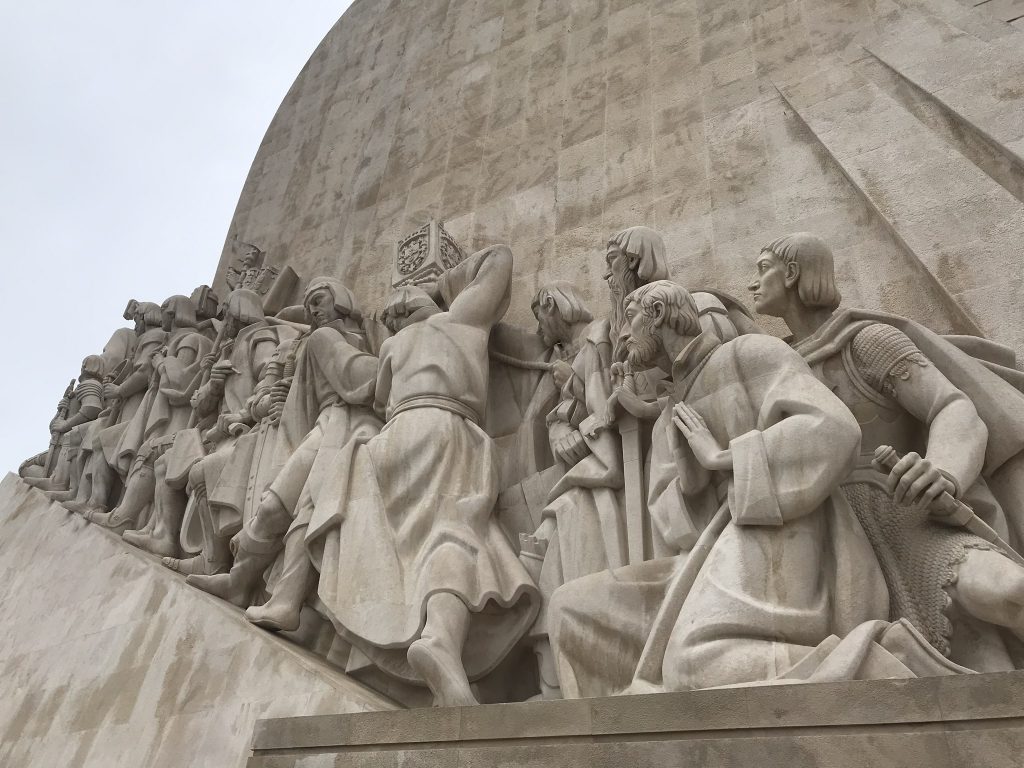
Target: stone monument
x=520 y=463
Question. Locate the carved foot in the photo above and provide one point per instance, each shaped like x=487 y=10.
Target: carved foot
x=109 y=520
x=195 y=565
x=442 y=672
x=82 y=508
x=219 y=586
x=156 y=546
x=61 y=496
x=275 y=619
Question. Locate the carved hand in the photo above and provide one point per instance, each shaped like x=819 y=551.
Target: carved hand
x=220 y=372
x=111 y=392
x=226 y=421
x=60 y=426
x=572 y=448
x=618 y=375
x=915 y=481
x=625 y=398
x=278 y=396
x=705 y=447
x=561 y=373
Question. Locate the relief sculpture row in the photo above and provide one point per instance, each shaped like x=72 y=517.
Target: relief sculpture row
x=652 y=495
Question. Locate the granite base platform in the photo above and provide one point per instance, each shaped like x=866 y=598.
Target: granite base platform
x=972 y=721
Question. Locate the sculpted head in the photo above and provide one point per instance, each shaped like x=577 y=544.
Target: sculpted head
x=327 y=300
x=407 y=305
x=558 y=308
x=251 y=257
x=795 y=270
x=243 y=308
x=635 y=256
x=129 y=311
x=658 y=313
x=92 y=368
x=178 y=312
x=147 y=315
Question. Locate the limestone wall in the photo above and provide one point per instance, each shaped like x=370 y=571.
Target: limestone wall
x=108 y=659
x=891 y=127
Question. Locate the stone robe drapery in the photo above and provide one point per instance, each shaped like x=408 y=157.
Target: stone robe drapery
x=123 y=411
x=924 y=414
x=586 y=503
x=227 y=471
x=165 y=409
x=330 y=401
x=787 y=567
x=417 y=516
x=982 y=370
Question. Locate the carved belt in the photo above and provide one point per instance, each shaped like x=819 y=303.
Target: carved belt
x=449 y=404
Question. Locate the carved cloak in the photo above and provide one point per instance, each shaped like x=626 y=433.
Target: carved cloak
x=983 y=370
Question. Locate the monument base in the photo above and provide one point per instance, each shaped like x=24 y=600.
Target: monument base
x=974 y=721
x=109 y=659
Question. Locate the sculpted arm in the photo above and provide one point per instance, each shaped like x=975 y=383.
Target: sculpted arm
x=349 y=371
x=479 y=289
x=142 y=372
x=957 y=437
x=806 y=442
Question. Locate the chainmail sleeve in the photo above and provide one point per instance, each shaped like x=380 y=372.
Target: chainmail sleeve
x=884 y=354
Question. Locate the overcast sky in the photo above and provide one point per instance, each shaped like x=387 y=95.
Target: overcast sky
x=126 y=131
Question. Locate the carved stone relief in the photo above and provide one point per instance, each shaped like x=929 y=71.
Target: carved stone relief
x=660 y=498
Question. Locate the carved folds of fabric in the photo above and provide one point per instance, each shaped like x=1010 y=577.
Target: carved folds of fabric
x=885 y=354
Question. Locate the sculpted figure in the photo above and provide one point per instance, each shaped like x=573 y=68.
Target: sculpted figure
x=41 y=466
x=116 y=355
x=414 y=567
x=746 y=458
x=954 y=587
x=217 y=480
x=583 y=529
x=124 y=388
x=83 y=406
x=322 y=405
x=165 y=409
x=635 y=257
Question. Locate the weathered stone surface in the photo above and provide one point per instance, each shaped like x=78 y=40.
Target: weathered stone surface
x=911 y=723
x=107 y=658
x=549 y=128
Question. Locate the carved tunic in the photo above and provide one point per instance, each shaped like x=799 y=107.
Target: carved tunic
x=434 y=363
x=878 y=375
x=417 y=499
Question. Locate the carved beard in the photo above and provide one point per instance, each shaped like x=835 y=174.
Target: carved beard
x=643 y=348
x=620 y=287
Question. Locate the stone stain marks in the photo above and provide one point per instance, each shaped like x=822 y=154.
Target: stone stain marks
x=608 y=112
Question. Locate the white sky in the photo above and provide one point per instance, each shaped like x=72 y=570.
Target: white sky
x=126 y=131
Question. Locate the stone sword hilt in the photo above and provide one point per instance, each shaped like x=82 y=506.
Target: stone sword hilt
x=956 y=512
